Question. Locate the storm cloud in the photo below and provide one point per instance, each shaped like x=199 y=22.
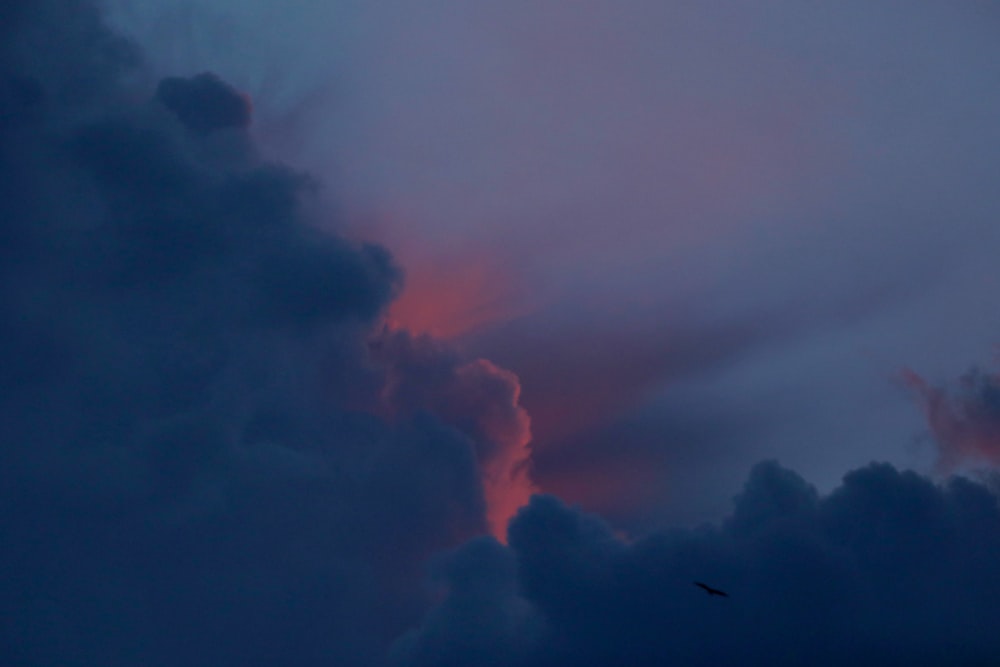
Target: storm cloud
x=479 y=398
x=196 y=467
x=889 y=568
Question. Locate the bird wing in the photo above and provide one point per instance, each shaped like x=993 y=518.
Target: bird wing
x=711 y=591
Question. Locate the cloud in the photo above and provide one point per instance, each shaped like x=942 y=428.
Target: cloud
x=478 y=398
x=483 y=619
x=196 y=468
x=654 y=186
x=872 y=572
x=964 y=418
x=204 y=102
x=434 y=302
x=214 y=453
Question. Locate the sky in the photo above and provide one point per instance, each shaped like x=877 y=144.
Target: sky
x=410 y=333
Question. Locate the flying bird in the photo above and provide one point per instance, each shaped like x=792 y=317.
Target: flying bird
x=711 y=591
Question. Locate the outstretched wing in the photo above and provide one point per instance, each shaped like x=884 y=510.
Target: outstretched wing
x=711 y=591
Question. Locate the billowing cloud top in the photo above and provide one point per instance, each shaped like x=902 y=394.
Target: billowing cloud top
x=887 y=569
x=194 y=469
x=204 y=103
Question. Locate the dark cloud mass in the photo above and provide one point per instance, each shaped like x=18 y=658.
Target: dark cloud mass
x=193 y=471
x=204 y=102
x=427 y=375
x=888 y=569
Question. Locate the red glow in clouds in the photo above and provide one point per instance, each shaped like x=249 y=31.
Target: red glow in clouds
x=445 y=298
x=450 y=297
x=507 y=485
x=479 y=399
x=965 y=422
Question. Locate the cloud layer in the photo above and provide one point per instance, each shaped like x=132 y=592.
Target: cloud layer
x=197 y=466
x=771 y=206
x=889 y=568
x=479 y=398
x=215 y=452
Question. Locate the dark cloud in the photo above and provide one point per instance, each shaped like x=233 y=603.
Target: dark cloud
x=483 y=620
x=194 y=468
x=64 y=45
x=889 y=568
x=19 y=97
x=204 y=103
x=479 y=398
x=964 y=417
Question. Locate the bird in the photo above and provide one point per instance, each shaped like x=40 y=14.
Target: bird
x=711 y=591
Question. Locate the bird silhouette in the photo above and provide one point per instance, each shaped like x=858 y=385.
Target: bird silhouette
x=711 y=591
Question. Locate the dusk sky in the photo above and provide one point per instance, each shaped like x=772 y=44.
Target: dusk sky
x=473 y=333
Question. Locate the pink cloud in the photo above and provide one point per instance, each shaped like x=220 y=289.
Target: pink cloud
x=964 y=419
x=478 y=398
x=452 y=295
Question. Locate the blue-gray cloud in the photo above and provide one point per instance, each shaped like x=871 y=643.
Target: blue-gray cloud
x=889 y=568
x=193 y=469
x=204 y=103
